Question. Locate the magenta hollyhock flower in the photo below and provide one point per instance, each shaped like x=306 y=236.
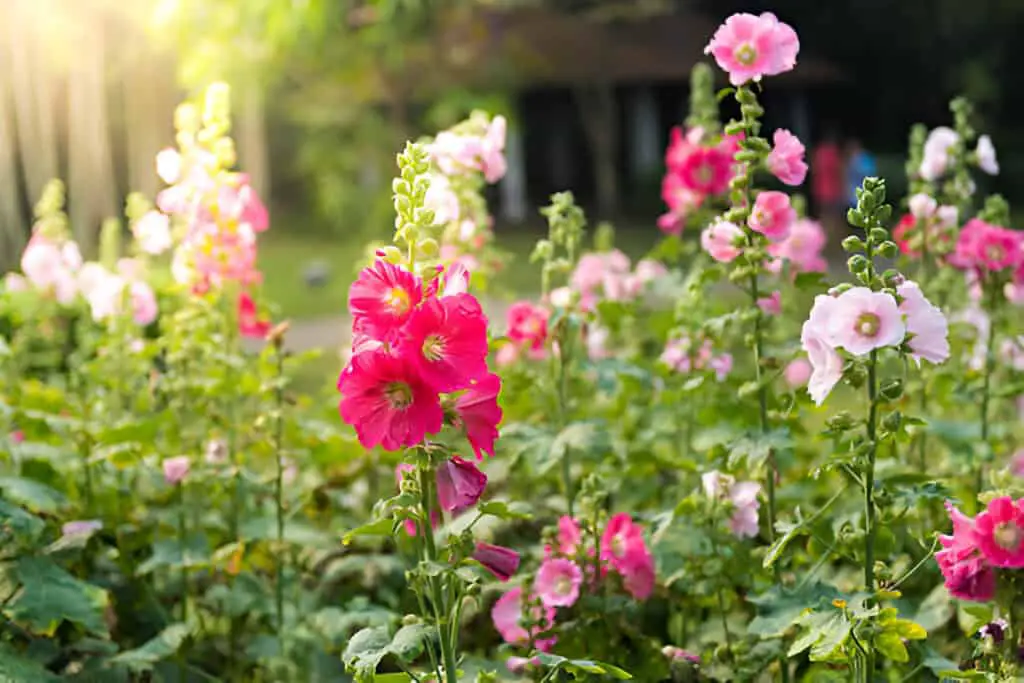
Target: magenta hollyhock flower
x=507 y=615
x=748 y=47
x=527 y=324
x=387 y=402
x=558 y=582
x=681 y=145
x=620 y=540
x=478 y=413
x=802 y=247
x=679 y=654
x=863 y=320
x=773 y=215
x=383 y=298
x=459 y=484
x=446 y=341
x=569 y=535
x=983 y=246
x=176 y=469
x=707 y=170
x=786 y=160
x=926 y=325
x=499 y=560
x=966 y=573
x=999 y=531
x=771 y=304
x=250 y=324
x=722 y=240
x=826 y=363
x=797 y=372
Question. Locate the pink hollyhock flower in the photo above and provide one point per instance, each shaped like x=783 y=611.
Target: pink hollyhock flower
x=560 y=297
x=786 y=160
x=558 y=582
x=569 y=535
x=638 y=574
x=507 y=615
x=86 y=527
x=478 y=413
x=680 y=146
x=706 y=170
x=771 y=304
x=594 y=269
x=454 y=280
x=721 y=365
x=459 y=484
x=678 y=654
x=91 y=276
x=722 y=241
x=999 y=531
x=903 y=233
x=937 y=152
x=238 y=201
x=446 y=341
x=926 y=325
x=715 y=484
x=678 y=354
x=984 y=246
x=797 y=373
x=143 y=301
x=648 y=270
x=250 y=324
x=175 y=469
x=168 y=165
x=454 y=153
x=922 y=206
x=773 y=215
x=527 y=324
x=383 y=298
x=967 y=575
x=621 y=540
x=863 y=320
x=749 y=47
x=986 y=154
x=153 y=232
x=17 y=436
x=500 y=561
x=743 y=496
x=42 y=262
x=826 y=363
x=506 y=355
x=442 y=200
x=802 y=247
x=492 y=152
x=387 y=402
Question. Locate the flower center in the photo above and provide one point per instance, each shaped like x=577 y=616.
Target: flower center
x=433 y=347
x=1008 y=536
x=618 y=546
x=704 y=174
x=398 y=300
x=563 y=585
x=994 y=252
x=398 y=394
x=745 y=54
x=867 y=324
x=760 y=218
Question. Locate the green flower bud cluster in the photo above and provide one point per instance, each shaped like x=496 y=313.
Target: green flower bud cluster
x=996 y=211
x=870 y=214
x=110 y=243
x=413 y=221
x=566 y=225
x=703 y=103
x=51 y=221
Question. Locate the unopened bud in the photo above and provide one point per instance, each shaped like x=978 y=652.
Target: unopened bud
x=840 y=422
x=276 y=334
x=854 y=243
x=878 y=235
x=857 y=263
x=891 y=389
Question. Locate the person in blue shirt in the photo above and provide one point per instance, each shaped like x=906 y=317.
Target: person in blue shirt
x=860 y=164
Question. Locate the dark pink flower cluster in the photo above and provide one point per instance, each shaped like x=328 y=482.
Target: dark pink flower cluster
x=695 y=170
x=992 y=540
x=983 y=247
x=419 y=360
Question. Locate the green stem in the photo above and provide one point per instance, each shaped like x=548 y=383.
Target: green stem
x=562 y=388
x=869 y=495
x=762 y=403
x=230 y=298
x=725 y=621
x=279 y=498
x=182 y=543
x=986 y=393
x=441 y=611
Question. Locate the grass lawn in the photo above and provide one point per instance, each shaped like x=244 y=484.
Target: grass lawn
x=285 y=257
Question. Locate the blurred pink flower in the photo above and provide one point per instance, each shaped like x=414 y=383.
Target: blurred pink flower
x=176 y=469
x=722 y=240
x=558 y=582
x=786 y=160
x=772 y=215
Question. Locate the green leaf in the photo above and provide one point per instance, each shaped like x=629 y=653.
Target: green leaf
x=814 y=625
x=779 y=608
x=502 y=510
x=789 y=532
x=936 y=610
x=169 y=553
x=50 y=596
x=160 y=647
x=16 y=524
x=576 y=667
x=908 y=630
x=378 y=527
x=891 y=646
x=16 y=668
x=831 y=639
x=410 y=641
x=755 y=448
x=365 y=650
x=335 y=624
x=587 y=438
x=34 y=495
x=814 y=282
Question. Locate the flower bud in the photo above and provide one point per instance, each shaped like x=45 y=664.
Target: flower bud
x=840 y=422
x=217 y=106
x=892 y=421
x=891 y=389
x=224 y=151
x=853 y=243
x=857 y=263
x=186 y=118
x=888 y=249
x=854 y=218
x=427 y=247
x=878 y=235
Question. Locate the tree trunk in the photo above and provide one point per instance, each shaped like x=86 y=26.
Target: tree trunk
x=596 y=104
x=12 y=222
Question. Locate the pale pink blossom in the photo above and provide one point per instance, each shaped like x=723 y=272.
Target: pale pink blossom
x=744 y=521
x=442 y=200
x=826 y=363
x=786 y=160
x=772 y=215
x=922 y=206
x=986 y=153
x=168 y=165
x=722 y=241
x=797 y=373
x=937 y=149
x=176 y=469
x=771 y=304
x=558 y=582
x=926 y=325
x=862 y=321
x=80 y=528
x=748 y=47
x=153 y=233
x=802 y=248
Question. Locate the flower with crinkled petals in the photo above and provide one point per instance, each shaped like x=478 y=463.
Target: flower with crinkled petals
x=743 y=522
x=527 y=324
x=707 y=170
x=478 y=413
x=999 y=531
x=773 y=215
x=446 y=340
x=863 y=320
x=620 y=538
x=748 y=47
x=722 y=240
x=967 y=575
x=387 y=402
x=507 y=615
x=826 y=363
x=383 y=298
x=558 y=582
x=983 y=246
x=786 y=160
x=459 y=484
x=936 y=157
x=802 y=247
x=926 y=325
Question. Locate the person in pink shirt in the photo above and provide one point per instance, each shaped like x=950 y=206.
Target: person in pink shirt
x=827 y=182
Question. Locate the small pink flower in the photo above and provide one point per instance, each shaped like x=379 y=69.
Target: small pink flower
x=926 y=325
x=786 y=160
x=1000 y=532
x=387 y=402
x=797 y=373
x=983 y=246
x=744 y=521
x=569 y=535
x=679 y=654
x=922 y=206
x=558 y=582
x=383 y=298
x=527 y=324
x=748 y=47
x=773 y=215
x=507 y=615
x=250 y=324
x=986 y=154
x=175 y=469
x=968 y=576
x=153 y=232
x=771 y=304
x=826 y=363
x=492 y=153
x=721 y=365
x=622 y=542
x=81 y=528
x=42 y=262
x=637 y=571
x=459 y=484
x=937 y=152
x=802 y=247
x=707 y=170
x=442 y=200
x=478 y=413
x=722 y=240
x=500 y=561
x=143 y=301
x=864 y=320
